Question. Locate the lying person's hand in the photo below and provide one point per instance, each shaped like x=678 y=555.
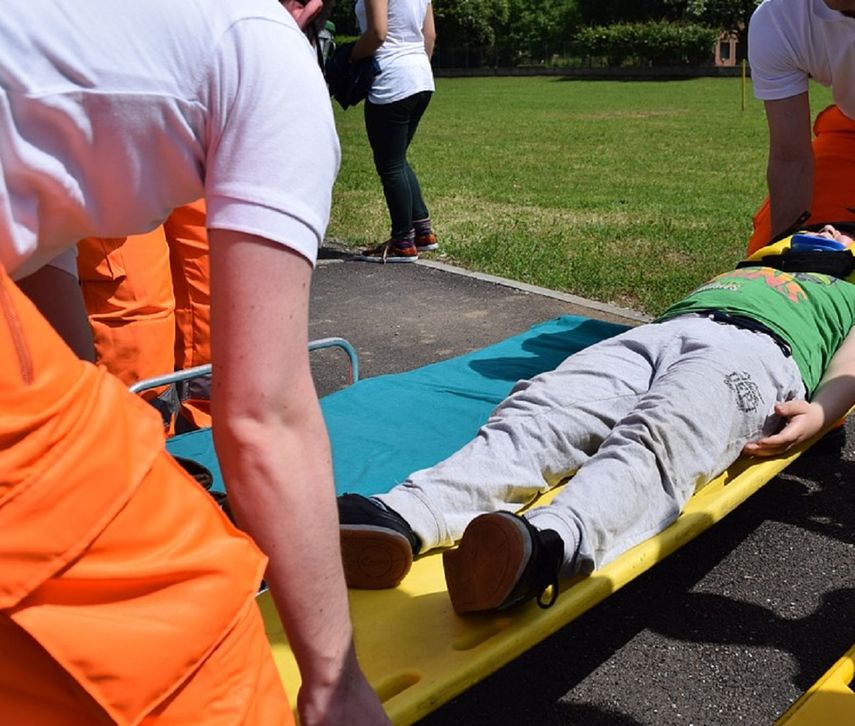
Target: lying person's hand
x=802 y=421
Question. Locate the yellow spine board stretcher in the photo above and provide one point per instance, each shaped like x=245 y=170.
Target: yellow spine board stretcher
x=830 y=700
x=418 y=654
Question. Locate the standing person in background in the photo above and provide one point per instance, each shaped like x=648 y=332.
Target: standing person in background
x=401 y=35
x=789 y=42
x=126 y=596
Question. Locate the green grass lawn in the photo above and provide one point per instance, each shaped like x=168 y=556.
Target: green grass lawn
x=625 y=192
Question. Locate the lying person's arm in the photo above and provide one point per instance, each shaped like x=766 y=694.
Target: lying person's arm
x=832 y=399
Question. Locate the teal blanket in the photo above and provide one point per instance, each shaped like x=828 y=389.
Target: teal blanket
x=384 y=428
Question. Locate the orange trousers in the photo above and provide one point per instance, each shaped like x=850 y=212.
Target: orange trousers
x=834 y=171
x=125 y=595
x=148 y=300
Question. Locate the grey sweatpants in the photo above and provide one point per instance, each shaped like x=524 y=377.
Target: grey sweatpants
x=641 y=419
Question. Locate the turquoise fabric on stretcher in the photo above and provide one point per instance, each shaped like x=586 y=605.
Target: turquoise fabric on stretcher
x=384 y=428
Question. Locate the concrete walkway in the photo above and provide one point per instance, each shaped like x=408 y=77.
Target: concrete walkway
x=729 y=630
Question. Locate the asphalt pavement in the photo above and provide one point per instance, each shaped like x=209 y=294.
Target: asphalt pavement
x=731 y=629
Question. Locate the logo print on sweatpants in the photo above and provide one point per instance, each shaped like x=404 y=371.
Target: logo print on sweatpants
x=748 y=396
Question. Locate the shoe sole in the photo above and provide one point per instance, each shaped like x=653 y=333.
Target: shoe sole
x=427 y=248
x=375 y=558
x=365 y=258
x=482 y=571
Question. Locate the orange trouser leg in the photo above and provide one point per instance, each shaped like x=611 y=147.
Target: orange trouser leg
x=235 y=681
x=34 y=688
x=125 y=594
x=148 y=299
x=127 y=288
x=238 y=684
x=187 y=236
x=834 y=177
x=36 y=691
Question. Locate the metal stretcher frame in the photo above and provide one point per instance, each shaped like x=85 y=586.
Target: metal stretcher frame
x=205 y=370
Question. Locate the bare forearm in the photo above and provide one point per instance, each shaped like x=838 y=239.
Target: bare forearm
x=790 y=181
x=282 y=492
x=835 y=394
x=273 y=448
x=790 y=169
x=429 y=31
x=366 y=46
x=376 y=26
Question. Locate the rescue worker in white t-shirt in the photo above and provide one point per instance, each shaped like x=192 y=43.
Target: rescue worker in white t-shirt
x=790 y=41
x=125 y=595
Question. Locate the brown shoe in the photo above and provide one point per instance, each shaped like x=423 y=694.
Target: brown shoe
x=426 y=242
x=390 y=251
x=502 y=560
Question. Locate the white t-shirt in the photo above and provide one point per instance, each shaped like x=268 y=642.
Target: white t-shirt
x=113 y=113
x=404 y=64
x=792 y=40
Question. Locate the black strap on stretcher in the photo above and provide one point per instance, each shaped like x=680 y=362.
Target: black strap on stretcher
x=836 y=263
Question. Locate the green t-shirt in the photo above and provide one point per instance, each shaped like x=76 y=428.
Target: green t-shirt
x=812 y=312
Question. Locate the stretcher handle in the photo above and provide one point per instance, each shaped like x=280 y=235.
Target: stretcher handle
x=205 y=370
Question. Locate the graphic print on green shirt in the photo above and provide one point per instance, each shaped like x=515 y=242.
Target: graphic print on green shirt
x=812 y=312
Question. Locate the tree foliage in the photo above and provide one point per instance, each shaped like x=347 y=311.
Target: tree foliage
x=470 y=22
x=652 y=43
x=523 y=25
x=552 y=22
x=724 y=14
x=606 y=12
x=344 y=19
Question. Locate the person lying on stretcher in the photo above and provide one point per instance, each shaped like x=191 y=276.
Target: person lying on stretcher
x=755 y=361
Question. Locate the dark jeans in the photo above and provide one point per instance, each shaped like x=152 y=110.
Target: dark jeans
x=391 y=127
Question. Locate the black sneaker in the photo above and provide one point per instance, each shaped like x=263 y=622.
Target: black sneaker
x=199 y=472
x=377 y=544
x=205 y=479
x=502 y=560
